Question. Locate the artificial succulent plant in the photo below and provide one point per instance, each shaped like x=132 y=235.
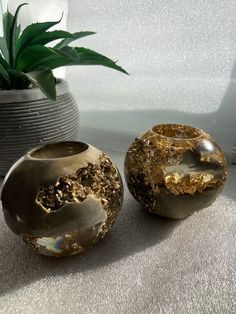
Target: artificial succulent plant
x=26 y=61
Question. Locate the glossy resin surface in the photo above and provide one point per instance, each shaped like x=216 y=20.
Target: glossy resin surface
x=62 y=198
x=174 y=170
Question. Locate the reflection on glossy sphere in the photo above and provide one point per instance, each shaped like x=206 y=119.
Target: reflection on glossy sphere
x=62 y=198
x=174 y=170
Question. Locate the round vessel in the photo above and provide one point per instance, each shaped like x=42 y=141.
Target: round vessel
x=174 y=170
x=62 y=198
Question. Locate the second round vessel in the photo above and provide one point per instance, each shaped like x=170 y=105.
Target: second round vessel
x=174 y=170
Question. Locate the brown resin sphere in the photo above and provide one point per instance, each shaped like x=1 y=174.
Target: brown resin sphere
x=174 y=170
x=62 y=198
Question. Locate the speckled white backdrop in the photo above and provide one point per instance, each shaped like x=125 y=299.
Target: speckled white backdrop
x=181 y=56
x=173 y=49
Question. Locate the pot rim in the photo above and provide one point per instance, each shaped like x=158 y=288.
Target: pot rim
x=58 y=150
x=28 y=95
x=181 y=132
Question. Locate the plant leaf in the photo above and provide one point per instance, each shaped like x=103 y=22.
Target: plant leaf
x=13 y=35
x=16 y=35
x=31 y=32
x=47 y=37
x=45 y=80
x=76 y=56
x=3 y=62
x=7 y=24
x=4 y=74
x=3 y=48
x=84 y=56
x=32 y=55
x=52 y=62
x=18 y=79
x=73 y=37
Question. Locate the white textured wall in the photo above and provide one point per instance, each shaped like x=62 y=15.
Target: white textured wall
x=181 y=55
x=40 y=11
x=164 y=45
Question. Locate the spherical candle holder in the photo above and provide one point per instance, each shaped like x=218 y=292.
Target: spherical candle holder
x=174 y=170
x=62 y=198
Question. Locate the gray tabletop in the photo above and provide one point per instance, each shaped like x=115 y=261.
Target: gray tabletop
x=146 y=264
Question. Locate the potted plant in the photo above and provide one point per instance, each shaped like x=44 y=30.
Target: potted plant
x=35 y=107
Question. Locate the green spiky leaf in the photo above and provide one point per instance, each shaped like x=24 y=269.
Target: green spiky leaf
x=24 y=58
x=54 y=61
x=4 y=63
x=4 y=74
x=73 y=37
x=7 y=26
x=16 y=36
x=90 y=57
x=47 y=37
x=31 y=32
x=31 y=55
x=3 y=48
x=76 y=56
x=14 y=32
x=44 y=79
x=18 y=79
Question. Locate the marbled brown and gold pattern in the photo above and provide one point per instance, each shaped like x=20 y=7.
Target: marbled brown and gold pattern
x=174 y=170
x=62 y=198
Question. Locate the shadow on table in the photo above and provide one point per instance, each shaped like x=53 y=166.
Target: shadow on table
x=135 y=231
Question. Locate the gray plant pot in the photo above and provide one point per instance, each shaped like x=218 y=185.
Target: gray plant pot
x=28 y=119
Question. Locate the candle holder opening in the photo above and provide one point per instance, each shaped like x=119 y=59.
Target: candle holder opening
x=59 y=150
x=177 y=131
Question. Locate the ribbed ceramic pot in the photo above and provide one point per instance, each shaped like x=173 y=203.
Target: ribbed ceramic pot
x=28 y=119
x=62 y=198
